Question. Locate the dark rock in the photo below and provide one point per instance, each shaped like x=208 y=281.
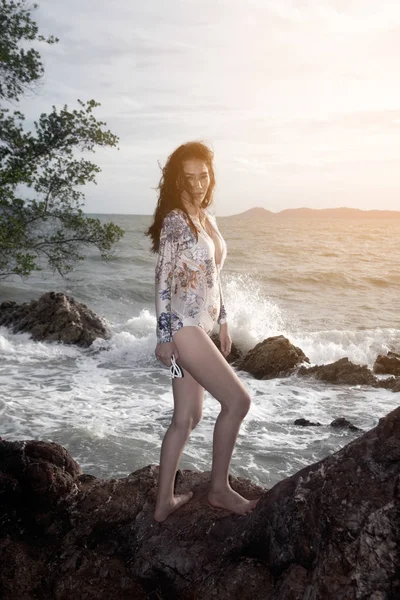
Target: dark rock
x=341 y=422
x=341 y=372
x=40 y=471
x=395 y=387
x=393 y=383
x=344 y=372
x=234 y=354
x=329 y=532
x=273 y=357
x=387 y=365
x=306 y=423
x=54 y=317
x=338 y=521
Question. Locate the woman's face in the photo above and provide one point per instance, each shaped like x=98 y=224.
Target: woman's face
x=197 y=176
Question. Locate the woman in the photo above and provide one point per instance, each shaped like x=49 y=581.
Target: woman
x=191 y=253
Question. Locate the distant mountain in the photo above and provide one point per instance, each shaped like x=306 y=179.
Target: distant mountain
x=255 y=213
x=320 y=213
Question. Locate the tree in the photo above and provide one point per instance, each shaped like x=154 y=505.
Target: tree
x=18 y=67
x=46 y=225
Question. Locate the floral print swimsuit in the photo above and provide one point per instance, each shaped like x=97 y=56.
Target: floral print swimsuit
x=188 y=284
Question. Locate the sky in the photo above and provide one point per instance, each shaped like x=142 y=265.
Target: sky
x=299 y=99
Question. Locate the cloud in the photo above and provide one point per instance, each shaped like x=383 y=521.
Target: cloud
x=283 y=89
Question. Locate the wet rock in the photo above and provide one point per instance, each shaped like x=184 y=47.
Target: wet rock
x=392 y=383
x=331 y=521
x=387 y=365
x=341 y=423
x=395 y=387
x=330 y=531
x=306 y=423
x=273 y=357
x=54 y=317
x=340 y=372
x=234 y=354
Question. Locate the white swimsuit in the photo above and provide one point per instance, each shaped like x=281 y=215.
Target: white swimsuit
x=188 y=284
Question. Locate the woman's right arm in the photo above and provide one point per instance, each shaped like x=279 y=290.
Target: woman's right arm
x=163 y=280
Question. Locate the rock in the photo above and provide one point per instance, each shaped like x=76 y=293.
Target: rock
x=345 y=372
x=387 y=365
x=342 y=422
x=234 y=354
x=393 y=383
x=339 y=422
x=40 y=471
x=273 y=357
x=338 y=521
x=55 y=317
x=330 y=531
x=341 y=372
x=306 y=423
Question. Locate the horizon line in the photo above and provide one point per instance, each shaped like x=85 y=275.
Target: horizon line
x=267 y=210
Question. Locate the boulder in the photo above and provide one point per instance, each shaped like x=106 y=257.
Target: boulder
x=395 y=384
x=273 y=357
x=331 y=531
x=306 y=423
x=387 y=365
x=54 y=317
x=392 y=383
x=341 y=372
x=338 y=423
x=342 y=423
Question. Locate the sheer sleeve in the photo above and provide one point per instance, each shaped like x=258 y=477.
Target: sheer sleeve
x=163 y=277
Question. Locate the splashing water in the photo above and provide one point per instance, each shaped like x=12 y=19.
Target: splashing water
x=252 y=315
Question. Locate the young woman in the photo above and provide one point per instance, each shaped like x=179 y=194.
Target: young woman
x=191 y=253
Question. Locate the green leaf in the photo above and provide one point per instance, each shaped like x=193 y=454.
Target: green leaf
x=46 y=227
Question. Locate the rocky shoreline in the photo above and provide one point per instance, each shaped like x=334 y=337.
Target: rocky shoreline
x=329 y=532
x=56 y=317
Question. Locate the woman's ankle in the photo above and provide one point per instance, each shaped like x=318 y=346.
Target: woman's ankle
x=219 y=487
x=164 y=498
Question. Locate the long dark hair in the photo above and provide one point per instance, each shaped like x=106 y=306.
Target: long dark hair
x=173 y=183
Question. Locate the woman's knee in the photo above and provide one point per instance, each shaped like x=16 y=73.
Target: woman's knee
x=240 y=406
x=196 y=418
x=186 y=423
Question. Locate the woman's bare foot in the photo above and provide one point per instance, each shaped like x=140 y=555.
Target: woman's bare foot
x=162 y=511
x=232 y=501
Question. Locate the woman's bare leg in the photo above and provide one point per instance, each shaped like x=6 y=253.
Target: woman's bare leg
x=188 y=406
x=199 y=355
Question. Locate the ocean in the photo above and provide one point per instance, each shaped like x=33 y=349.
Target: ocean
x=331 y=286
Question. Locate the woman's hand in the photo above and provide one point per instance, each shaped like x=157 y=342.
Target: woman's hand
x=164 y=351
x=225 y=339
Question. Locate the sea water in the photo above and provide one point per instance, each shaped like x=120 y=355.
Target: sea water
x=331 y=286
